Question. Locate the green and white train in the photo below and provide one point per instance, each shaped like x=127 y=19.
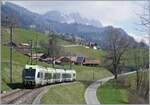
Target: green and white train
x=35 y=75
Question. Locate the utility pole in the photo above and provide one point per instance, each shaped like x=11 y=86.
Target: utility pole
x=70 y=62
x=93 y=74
x=36 y=48
x=10 y=26
x=35 y=44
x=31 y=52
x=11 y=48
x=51 y=46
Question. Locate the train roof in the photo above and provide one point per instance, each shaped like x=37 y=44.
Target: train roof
x=70 y=71
x=33 y=66
x=51 y=69
x=60 y=70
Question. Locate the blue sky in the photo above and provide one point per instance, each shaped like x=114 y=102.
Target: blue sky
x=121 y=14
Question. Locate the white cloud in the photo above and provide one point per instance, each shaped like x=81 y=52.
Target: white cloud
x=107 y=12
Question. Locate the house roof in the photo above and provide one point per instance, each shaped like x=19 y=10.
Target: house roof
x=34 y=56
x=71 y=58
x=38 y=54
x=24 y=44
x=62 y=58
x=91 y=62
x=48 y=59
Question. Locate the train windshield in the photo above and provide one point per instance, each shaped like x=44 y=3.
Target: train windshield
x=29 y=73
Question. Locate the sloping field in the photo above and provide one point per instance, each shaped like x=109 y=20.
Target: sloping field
x=85 y=75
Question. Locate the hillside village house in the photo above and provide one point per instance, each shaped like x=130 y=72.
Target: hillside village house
x=91 y=45
x=23 y=45
x=65 y=59
x=80 y=60
x=23 y=48
x=89 y=62
x=48 y=59
x=38 y=56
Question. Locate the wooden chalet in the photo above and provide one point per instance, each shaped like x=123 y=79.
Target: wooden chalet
x=88 y=62
x=23 y=45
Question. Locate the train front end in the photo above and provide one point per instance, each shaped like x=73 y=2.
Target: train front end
x=28 y=75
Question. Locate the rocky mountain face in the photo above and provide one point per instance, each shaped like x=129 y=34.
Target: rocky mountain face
x=69 y=24
x=70 y=18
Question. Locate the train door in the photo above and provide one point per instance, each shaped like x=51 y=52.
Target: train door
x=40 y=78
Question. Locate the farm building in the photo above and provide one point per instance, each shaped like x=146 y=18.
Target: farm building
x=65 y=59
x=88 y=62
x=91 y=45
x=73 y=59
x=80 y=60
x=23 y=48
x=23 y=45
x=38 y=56
x=48 y=59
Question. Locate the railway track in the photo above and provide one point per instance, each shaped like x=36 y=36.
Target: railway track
x=24 y=96
x=14 y=96
x=20 y=96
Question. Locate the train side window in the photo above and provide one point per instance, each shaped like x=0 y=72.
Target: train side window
x=57 y=75
x=41 y=75
x=38 y=75
x=47 y=76
x=50 y=76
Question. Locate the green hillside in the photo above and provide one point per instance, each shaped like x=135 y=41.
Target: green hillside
x=84 y=74
x=19 y=60
x=23 y=35
x=65 y=94
x=141 y=55
x=87 y=52
x=75 y=92
x=122 y=90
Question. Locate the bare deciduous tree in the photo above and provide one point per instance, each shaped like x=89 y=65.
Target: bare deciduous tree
x=145 y=23
x=144 y=17
x=117 y=46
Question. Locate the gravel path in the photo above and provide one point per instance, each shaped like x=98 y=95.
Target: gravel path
x=70 y=45
x=90 y=93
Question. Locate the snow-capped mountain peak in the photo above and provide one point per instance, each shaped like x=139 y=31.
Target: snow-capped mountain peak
x=71 y=18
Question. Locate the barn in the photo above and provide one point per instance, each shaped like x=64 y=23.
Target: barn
x=88 y=62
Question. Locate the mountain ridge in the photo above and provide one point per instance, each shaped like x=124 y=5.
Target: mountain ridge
x=74 y=17
x=26 y=18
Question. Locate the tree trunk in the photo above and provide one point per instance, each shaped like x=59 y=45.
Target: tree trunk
x=137 y=80
x=147 y=91
x=53 y=65
x=116 y=76
x=115 y=71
